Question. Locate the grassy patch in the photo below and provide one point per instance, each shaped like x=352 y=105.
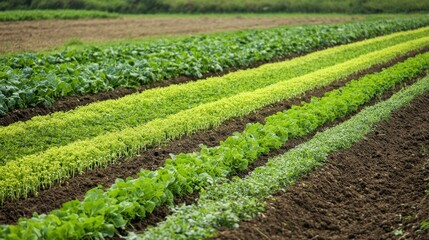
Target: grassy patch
x=21 y=15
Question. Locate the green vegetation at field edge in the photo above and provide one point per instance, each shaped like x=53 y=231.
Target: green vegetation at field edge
x=208 y=6
x=21 y=15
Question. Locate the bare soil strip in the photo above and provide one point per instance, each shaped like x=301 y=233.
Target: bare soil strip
x=76 y=187
x=375 y=190
x=46 y=34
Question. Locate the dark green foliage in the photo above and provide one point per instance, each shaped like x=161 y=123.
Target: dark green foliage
x=312 y=6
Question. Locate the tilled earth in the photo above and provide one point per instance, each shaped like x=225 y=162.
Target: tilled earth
x=374 y=190
x=45 y=34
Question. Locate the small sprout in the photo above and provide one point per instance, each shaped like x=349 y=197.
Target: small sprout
x=408 y=218
x=398 y=232
x=424 y=225
x=423 y=150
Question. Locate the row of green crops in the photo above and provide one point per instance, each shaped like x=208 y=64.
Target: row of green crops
x=102 y=212
x=59 y=129
x=26 y=175
x=30 y=79
x=227 y=204
x=20 y=15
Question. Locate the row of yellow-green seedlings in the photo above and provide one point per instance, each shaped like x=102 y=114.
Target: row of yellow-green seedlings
x=26 y=175
x=227 y=204
x=102 y=212
x=59 y=129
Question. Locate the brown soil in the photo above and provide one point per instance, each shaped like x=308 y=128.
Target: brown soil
x=370 y=191
x=76 y=187
x=45 y=34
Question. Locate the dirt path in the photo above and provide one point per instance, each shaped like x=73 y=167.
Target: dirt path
x=45 y=34
x=375 y=190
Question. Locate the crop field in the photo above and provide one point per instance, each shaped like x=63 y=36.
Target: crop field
x=314 y=131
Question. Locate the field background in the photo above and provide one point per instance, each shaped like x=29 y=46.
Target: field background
x=114 y=111
x=204 y=6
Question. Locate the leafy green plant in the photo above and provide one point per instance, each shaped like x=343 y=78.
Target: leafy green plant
x=424 y=225
x=423 y=150
x=398 y=232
